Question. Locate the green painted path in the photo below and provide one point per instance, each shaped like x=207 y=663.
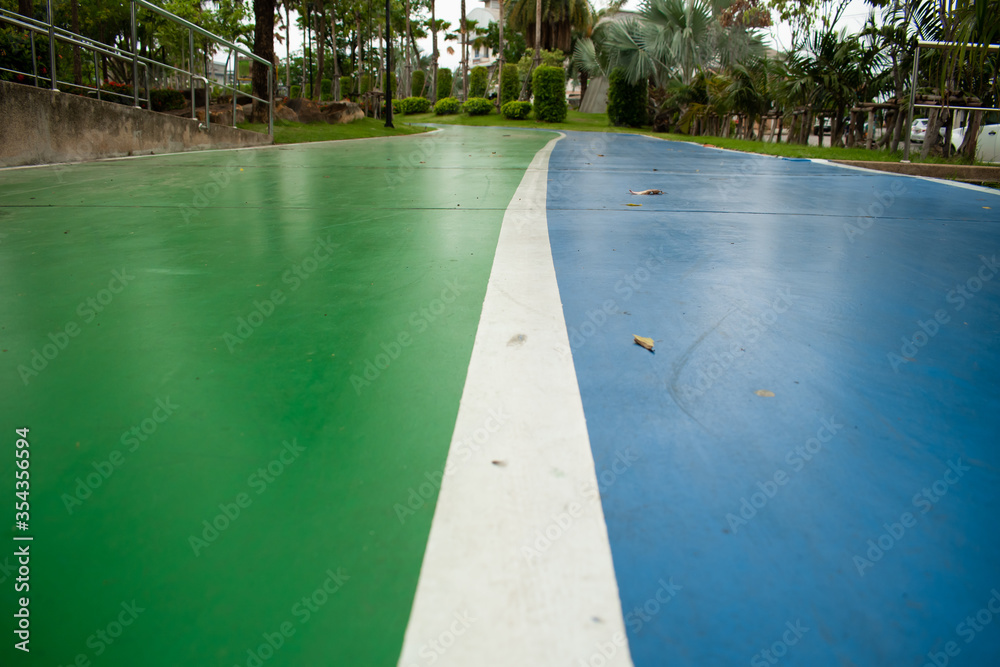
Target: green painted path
x=271 y=341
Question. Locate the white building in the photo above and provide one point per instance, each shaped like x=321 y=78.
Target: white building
x=483 y=16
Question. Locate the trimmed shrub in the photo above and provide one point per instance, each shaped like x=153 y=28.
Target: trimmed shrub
x=346 y=86
x=477 y=106
x=549 y=85
x=366 y=83
x=515 y=110
x=326 y=91
x=296 y=92
x=411 y=105
x=477 y=82
x=626 y=101
x=417 y=83
x=445 y=82
x=447 y=105
x=510 y=85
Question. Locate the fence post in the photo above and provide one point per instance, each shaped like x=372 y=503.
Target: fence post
x=232 y=57
x=52 y=47
x=135 y=59
x=270 y=99
x=194 y=114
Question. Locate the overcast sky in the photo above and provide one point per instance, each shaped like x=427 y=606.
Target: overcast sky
x=451 y=10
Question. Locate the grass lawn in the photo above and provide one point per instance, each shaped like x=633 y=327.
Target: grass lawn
x=598 y=122
x=286 y=132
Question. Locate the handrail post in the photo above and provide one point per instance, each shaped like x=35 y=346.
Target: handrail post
x=52 y=47
x=208 y=109
x=194 y=114
x=270 y=100
x=913 y=98
x=135 y=60
x=232 y=58
x=97 y=76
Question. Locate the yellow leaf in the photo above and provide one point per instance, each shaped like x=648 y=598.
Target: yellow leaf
x=633 y=204
x=765 y=393
x=645 y=342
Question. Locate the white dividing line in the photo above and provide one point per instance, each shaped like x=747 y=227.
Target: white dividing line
x=491 y=592
x=931 y=179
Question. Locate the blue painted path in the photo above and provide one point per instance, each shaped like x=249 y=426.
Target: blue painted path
x=850 y=518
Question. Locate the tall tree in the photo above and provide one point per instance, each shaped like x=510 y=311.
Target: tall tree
x=465 y=55
x=434 y=56
x=263 y=47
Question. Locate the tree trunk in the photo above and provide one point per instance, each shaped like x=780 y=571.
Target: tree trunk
x=305 y=45
x=288 y=48
x=931 y=138
x=434 y=56
x=500 y=60
x=77 y=66
x=359 y=66
x=318 y=85
x=971 y=138
x=336 y=58
x=465 y=56
x=408 y=67
x=263 y=47
x=24 y=8
x=538 y=35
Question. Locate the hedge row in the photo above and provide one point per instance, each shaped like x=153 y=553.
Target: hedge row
x=549 y=86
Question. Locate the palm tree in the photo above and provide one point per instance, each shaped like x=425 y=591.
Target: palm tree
x=263 y=47
x=559 y=18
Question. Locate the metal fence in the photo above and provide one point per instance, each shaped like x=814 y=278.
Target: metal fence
x=48 y=30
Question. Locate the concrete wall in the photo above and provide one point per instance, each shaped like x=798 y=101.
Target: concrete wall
x=39 y=126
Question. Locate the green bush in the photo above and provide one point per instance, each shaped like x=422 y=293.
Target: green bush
x=477 y=106
x=626 y=101
x=445 y=81
x=510 y=85
x=366 y=83
x=165 y=99
x=515 y=110
x=477 y=82
x=417 y=83
x=296 y=92
x=549 y=85
x=447 y=105
x=346 y=86
x=325 y=87
x=411 y=105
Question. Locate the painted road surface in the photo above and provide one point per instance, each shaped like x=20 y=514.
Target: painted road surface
x=850 y=517
x=244 y=373
x=279 y=333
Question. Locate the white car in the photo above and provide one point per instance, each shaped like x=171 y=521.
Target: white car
x=988 y=145
x=918 y=130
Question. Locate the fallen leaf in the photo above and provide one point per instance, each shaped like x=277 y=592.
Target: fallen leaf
x=633 y=204
x=765 y=393
x=645 y=342
x=646 y=192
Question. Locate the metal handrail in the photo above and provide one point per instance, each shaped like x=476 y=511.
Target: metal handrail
x=56 y=33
